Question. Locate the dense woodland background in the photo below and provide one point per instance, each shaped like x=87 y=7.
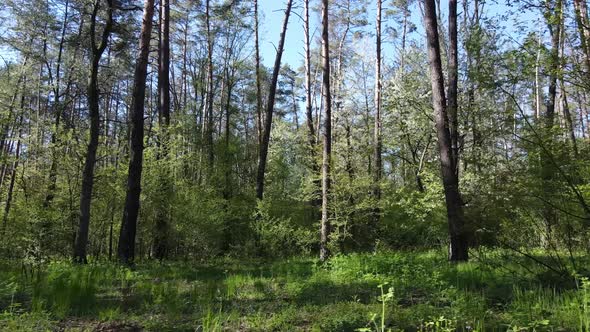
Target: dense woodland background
x=159 y=172
x=244 y=160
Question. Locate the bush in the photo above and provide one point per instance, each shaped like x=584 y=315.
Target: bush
x=280 y=237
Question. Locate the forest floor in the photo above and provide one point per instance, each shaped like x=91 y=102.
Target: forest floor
x=412 y=291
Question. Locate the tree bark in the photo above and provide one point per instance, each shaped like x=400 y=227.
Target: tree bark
x=18 y=124
x=58 y=109
x=553 y=16
x=209 y=104
x=270 y=107
x=327 y=152
x=161 y=229
x=126 y=247
x=378 y=169
x=93 y=105
x=453 y=68
x=563 y=93
x=581 y=12
x=311 y=133
x=12 y=178
x=458 y=249
x=258 y=78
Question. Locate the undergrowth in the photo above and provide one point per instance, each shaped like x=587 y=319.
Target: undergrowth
x=412 y=291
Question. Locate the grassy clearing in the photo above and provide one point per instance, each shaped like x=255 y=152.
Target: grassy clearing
x=365 y=292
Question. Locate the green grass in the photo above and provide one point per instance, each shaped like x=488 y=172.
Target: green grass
x=412 y=291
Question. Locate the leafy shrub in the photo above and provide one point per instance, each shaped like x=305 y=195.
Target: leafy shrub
x=280 y=237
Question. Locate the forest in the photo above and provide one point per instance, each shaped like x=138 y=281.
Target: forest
x=294 y=165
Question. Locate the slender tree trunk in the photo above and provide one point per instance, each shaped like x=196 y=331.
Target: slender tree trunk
x=93 y=104
x=209 y=104
x=555 y=30
x=378 y=169
x=161 y=231
x=58 y=109
x=7 y=126
x=228 y=154
x=538 y=90
x=184 y=76
x=554 y=9
x=126 y=248
x=258 y=78
x=12 y=179
x=569 y=121
x=295 y=108
x=327 y=152
x=458 y=249
x=270 y=107
x=402 y=65
x=311 y=133
x=570 y=127
x=19 y=124
x=338 y=76
x=581 y=12
x=453 y=83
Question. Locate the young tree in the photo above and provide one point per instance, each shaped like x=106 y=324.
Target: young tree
x=553 y=16
x=378 y=168
x=58 y=110
x=583 y=23
x=258 y=78
x=96 y=52
x=458 y=249
x=327 y=151
x=453 y=69
x=161 y=230
x=208 y=113
x=126 y=248
x=270 y=107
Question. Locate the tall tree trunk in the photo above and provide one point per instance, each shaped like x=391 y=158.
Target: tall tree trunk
x=8 y=128
x=569 y=120
x=184 y=76
x=12 y=177
x=228 y=154
x=58 y=110
x=538 y=90
x=554 y=23
x=458 y=249
x=270 y=107
x=209 y=104
x=553 y=16
x=325 y=228
x=295 y=105
x=258 y=78
x=583 y=23
x=311 y=133
x=453 y=68
x=570 y=127
x=93 y=105
x=18 y=124
x=126 y=248
x=378 y=169
x=161 y=230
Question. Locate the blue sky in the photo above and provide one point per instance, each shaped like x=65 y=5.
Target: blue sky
x=273 y=13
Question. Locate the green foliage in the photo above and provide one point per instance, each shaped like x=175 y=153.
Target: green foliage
x=26 y=322
x=524 y=187
x=385 y=291
x=414 y=219
x=280 y=236
x=65 y=291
